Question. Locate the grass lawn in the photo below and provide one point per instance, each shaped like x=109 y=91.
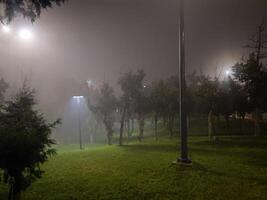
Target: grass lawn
x=233 y=168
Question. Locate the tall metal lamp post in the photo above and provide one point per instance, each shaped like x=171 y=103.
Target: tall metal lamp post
x=182 y=82
x=78 y=99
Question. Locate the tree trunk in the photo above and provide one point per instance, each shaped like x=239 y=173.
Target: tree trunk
x=141 y=121
x=10 y=193
x=91 y=139
x=156 y=126
x=16 y=187
x=128 y=129
x=109 y=135
x=240 y=125
x=122 y=125
x=226 y=117
x=132 y=129
x=171 y=125
x=188 y=122
x=257 y=130
x=165 y=121
x=16 y=195
x=109 y=129
x=210 y=125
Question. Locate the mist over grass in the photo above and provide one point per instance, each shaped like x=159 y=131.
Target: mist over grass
x=232 y=168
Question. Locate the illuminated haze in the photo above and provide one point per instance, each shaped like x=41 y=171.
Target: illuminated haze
x=100 y=39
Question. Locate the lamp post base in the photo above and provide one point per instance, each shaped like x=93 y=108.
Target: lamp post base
x=183 y=162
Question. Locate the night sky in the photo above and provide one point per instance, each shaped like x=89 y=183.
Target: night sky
x=101 y=39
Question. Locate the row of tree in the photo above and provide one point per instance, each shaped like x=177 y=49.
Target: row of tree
x=230 y=97
x=137 y=102
x=242 y=92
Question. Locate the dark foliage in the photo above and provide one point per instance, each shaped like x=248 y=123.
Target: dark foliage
x=3 y=88
x=30 y=9
x=25 y=142
x=105 y=106
x=131 y=85
x=254 y=78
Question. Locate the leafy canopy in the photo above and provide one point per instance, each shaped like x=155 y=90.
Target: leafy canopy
x=30 y=9
x=25 y=141
x=253 y=76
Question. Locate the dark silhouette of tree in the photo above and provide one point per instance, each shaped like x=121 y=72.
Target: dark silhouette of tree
x=25 y=142
x=207 y=91
x=254 y=78
x=142 y=108
x=240 y=102
x=225 y=100
x=30 y=9
x=3 y=88
x=131 y=85
x=258 y=44
x=196 y=104
x=164 y=103
x=158 y=104
x=171 y=99
x=254 y=66
x=105 y=106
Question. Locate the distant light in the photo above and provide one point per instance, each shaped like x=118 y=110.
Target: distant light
x=144 y=86
x=25 y=34
x=228 y=72
x=6 y=29
x=78 y=97
x=89 y=83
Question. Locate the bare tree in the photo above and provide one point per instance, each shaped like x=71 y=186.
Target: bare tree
x=258 y=45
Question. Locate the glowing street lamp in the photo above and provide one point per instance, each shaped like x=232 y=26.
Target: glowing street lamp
x=6 y=29
x=228 y=72
x=25 y=34
x=78 y=99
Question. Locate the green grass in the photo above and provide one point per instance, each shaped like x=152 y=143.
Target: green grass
x=233 y=168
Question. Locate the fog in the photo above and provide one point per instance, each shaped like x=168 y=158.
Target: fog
x=99 y=40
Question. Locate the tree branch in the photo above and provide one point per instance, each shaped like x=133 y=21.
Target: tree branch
x=250 y=47
x=253 y=39
x=263 y=55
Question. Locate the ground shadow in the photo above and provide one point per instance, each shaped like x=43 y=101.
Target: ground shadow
x=196 y=166
x=151 y=148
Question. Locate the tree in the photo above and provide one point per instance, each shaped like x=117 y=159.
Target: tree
x=105 y=105
x=142 y=108
x=30 y=9
x=206 y=90
x=131 y=85
x=254 y=78
x=258 y=44
x=158 y=104
x=240 y=102
x=25 y=142
x=225 y=100
x=3 y=88
x=253 y=73
x=171 y=98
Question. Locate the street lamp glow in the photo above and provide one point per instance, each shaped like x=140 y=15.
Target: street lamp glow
x=227 y=72
x=6 y=29
x=78 y=97
x=25 y=34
